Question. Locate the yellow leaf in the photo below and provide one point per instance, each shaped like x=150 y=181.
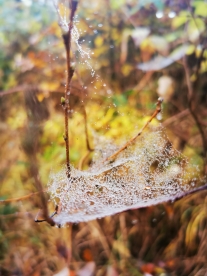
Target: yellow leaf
x=201 y=8
x=180 y=20
x=205 y=54
x=190 y=49
x=98 y=41
x=126 y=69
x=55 y=29
x=52 y=86
x=40 y=97
x=159 y=43
x=193 y=78
x=121 y=248
x=203 y=66
x=147 y=46
x=193 y=227
x=195 y=27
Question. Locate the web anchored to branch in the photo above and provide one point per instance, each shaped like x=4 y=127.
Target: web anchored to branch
x=145 y=173
x=140 y=173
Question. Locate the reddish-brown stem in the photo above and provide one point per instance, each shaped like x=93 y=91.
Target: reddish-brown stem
x=158 y=109
x=66 y=104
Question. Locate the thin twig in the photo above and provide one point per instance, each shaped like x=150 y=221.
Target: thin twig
x=9 y=200
x=191 y=104
x=17 y=214
x=39 y=186
x=89 y=148
x=13 y=90
x=97 y=231
x=184 y=194
x=124 y=239
x=23 y=88
x=143 y=82
x=66 y=103
x=174 y=118
x=51 y=216
x=82 y=160
x=158 y=109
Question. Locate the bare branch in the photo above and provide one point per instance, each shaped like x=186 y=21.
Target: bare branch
x=176 y=117
x=67 y=43
x=13 y=90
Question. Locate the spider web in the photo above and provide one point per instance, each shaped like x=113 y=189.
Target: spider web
x=148 y=172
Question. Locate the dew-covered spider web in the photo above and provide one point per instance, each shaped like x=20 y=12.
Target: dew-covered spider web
x=82 y=45
x=148 y=172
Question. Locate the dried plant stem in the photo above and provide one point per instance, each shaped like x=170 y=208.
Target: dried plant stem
x=176 y=117
x=143 y=82
x=23 y=88
x=89 y=148
x=124 y=238
x=98 y=232
x=82 y=160
x=192 y=107
x=49 y=217
x=13 y=90
x=158 y=109
x=66 y=103
x=4 y=201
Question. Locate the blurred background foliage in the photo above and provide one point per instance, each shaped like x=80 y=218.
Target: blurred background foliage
x=138 y=50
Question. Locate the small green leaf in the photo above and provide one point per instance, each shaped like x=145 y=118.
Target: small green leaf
x=181 y=19
x=200 y=8
x=195 y=27
x=116 y=4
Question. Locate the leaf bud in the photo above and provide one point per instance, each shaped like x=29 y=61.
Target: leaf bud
x=62 y=100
